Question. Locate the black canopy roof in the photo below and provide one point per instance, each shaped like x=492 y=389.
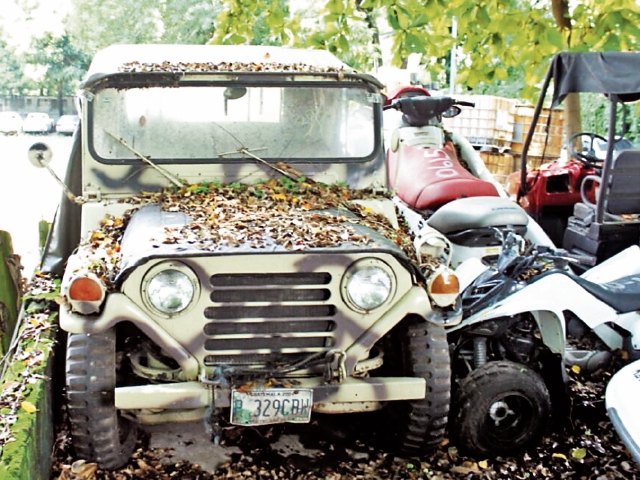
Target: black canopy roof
x=599 y=72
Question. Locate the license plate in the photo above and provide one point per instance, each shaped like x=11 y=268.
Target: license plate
x=271 y=405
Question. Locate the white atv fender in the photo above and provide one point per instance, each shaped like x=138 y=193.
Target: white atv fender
x=621 y=399
x=546 y=299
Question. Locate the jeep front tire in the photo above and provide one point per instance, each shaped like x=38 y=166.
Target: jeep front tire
x=99 y=433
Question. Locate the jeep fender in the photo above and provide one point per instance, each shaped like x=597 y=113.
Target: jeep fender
x=414 y=302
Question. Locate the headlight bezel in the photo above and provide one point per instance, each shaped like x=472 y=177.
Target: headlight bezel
x=358 y=267
x=164 y=267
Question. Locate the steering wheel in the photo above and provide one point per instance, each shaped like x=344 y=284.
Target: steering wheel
x=588 y=155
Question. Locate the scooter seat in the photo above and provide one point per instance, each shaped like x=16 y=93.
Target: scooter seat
x=426 y=179
x=478 y=212
x=623 y=294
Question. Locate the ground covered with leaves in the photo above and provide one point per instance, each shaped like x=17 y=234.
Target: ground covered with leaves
x=584 y=447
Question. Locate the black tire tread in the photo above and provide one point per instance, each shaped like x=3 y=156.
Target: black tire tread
x=468 y=395
x=426 y=419
x=96 y=428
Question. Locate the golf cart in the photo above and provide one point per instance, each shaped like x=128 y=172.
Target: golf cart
x=562 y=195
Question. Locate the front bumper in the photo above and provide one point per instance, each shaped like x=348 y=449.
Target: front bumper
x=351 y=395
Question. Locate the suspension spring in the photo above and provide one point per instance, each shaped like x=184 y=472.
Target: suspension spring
x=479 y=351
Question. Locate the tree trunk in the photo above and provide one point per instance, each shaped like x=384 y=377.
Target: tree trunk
x=60 y=99
x=572 y=123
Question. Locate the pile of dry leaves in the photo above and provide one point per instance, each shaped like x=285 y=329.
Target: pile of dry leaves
x=585 y=447
x=295 y=215
x=24 y=363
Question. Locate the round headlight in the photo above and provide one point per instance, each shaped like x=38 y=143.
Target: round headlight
x=369 y=287
x=170 y=291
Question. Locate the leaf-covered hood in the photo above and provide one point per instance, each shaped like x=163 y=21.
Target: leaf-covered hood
x=274 y=216
x=155 y=233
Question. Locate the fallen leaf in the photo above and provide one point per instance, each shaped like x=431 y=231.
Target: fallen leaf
x=579 y=453
x=28 y=407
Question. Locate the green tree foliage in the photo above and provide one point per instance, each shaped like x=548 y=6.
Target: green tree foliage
x=496 y=39
x=188 y=21
x=12 y=81
x=96 y=24
x=63 y=64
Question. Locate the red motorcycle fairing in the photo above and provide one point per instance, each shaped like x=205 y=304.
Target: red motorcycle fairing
x=427 y=178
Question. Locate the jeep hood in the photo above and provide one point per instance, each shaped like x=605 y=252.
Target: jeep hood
x=152 y=233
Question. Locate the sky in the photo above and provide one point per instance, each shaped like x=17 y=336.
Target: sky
x=21 y=27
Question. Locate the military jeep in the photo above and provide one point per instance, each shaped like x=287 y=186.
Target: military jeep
x=230 y=252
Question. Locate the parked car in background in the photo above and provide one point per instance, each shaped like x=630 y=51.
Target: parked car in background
x=37 y=122
x=10 y=123
x=67 y=124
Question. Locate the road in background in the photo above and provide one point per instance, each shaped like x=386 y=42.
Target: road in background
x=29 y=194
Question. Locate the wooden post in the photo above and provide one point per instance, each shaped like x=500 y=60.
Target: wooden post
x=10 y=290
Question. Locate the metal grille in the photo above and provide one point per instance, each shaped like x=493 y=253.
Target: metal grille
x=268 y=318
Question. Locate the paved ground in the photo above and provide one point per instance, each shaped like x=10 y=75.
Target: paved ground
x=29 y=194
x=190 y=442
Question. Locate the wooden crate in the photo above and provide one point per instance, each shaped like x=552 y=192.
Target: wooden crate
x=533 y=161
x=552 y=118
x=499 y=164
x=490 y=122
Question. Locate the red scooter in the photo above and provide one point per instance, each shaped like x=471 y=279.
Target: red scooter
x=439 y=176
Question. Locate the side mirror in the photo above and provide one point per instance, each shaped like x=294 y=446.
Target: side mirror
x=40 y=155
x=451 y=112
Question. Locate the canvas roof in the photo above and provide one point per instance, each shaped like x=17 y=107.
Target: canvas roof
x=599 y=72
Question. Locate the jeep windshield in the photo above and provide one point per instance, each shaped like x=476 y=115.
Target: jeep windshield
x=220 y=123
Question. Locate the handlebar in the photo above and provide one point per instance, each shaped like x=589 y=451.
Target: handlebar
x=569 y=257
x=419 y=110
x=462 y=103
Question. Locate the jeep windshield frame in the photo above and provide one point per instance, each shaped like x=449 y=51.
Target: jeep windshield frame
x=198 y=119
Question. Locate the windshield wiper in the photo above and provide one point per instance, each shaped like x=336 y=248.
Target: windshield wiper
x=247 y=151
x=262 y=161
x=172 y=178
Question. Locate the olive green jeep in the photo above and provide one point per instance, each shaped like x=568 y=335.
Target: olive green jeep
x=230 y=251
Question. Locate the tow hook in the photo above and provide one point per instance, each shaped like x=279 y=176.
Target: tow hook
x=214 y=413
x=335 y=371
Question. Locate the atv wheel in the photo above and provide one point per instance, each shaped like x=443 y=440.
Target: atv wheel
x=498 y=409
x=421 y=424
x=98 y=431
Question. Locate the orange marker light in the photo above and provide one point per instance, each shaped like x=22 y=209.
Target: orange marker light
x=85 y=289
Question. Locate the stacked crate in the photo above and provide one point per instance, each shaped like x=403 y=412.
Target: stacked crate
x=498 y=128
x=543 y=148
x=489 y=128
x=489 y=124
x=500 y=164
